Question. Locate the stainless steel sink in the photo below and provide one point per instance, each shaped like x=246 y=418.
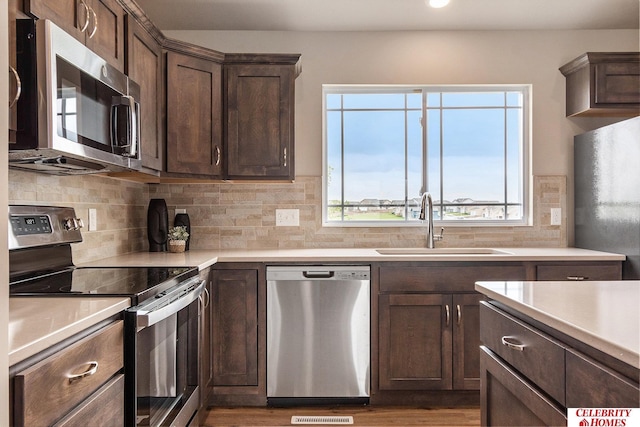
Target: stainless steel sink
x=441 y=251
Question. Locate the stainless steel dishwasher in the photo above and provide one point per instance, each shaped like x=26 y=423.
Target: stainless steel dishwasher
x=318 y=334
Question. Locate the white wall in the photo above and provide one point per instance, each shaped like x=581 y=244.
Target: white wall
x=434 y=57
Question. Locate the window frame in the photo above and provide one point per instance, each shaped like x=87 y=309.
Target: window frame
x=524 y=158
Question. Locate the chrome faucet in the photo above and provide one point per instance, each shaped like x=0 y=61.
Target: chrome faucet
x=431 y=238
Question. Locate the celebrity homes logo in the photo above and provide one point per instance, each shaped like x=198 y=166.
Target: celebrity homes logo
x=603 y=417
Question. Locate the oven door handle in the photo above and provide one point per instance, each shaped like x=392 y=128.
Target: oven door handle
x=148 y=318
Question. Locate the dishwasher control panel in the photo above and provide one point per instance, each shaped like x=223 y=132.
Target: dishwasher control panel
x=352 y=275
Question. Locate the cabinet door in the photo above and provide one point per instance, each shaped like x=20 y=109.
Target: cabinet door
x=144 y=66
x=105 y=34
x=260 y=121
x=506 y=399
x=466 y=341
x=235 y=327
x=617 y=83
x=97 y=23
x=415 y=342
x=73 y=16
x=194 y=115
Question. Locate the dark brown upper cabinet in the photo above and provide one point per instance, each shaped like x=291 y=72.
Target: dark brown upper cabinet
x=603 y=84
x=194 y=116
x=99 y=24
x=144 y=66
x=260 y=105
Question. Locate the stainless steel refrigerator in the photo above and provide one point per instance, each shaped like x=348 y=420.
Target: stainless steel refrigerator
x=607 y=192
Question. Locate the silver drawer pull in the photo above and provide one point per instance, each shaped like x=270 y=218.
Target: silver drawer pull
x=512 y=343
x=93 y=368
x=577 y=278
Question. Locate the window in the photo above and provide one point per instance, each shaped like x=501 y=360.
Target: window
x=384 y=146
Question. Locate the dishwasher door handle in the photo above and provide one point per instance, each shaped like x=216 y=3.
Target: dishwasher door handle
x=318 y=274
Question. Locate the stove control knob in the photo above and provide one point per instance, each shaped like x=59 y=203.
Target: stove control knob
x=73 y=224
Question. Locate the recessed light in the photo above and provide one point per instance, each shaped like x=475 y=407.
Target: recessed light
x=438 y=3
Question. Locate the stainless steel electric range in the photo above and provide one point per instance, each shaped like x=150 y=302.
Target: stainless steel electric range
x=161 y=327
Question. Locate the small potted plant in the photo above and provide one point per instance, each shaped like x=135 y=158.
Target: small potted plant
x=177 y=238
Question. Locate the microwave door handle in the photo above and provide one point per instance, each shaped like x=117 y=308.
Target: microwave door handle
x=131 y=127
x=134 y=119
x=114 y=123
x=148 y=318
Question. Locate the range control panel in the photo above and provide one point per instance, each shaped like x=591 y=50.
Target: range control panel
x=31 y=226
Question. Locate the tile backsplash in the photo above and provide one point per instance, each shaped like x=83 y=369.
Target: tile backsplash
x=242 y=215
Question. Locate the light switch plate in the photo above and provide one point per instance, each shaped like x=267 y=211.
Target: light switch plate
x=287 y=217
x=556 y=216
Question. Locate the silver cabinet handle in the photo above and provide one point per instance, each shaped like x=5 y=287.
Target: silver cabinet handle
x=218 y=155
x=459 y=314
x=448 y=314
x=86 y=16
x=95 y=23
x=285 y=156
x=577 y=278
x=512 y=343
x=18 y=86
x=93 y=368
x=207 y=296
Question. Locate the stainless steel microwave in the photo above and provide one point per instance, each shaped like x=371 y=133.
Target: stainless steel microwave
x=76 y=113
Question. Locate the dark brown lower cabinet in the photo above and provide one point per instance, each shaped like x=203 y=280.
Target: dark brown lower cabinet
x=429 y=342
x=530 y=377
x=415 y=342
x=509 y=400
x=238 y=293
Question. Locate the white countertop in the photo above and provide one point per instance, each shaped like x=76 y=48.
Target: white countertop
x=38 y=323
x=206 y=258
x=602 y=314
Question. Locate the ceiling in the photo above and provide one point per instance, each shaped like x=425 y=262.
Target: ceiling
x=391 y=15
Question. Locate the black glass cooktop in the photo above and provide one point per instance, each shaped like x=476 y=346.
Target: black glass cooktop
x=139 y=283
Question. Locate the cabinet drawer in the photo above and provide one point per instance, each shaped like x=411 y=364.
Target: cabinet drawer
x=579 y=272
x=535 y=355
x=507 y=399
x=591 y=385
x=105 y=408
x=51 y=388
x=452 y=278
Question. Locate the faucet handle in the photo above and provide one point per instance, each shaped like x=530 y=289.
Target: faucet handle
x=439 y=236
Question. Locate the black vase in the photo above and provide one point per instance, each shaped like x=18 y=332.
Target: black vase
x=183 y=220
x=157 y=225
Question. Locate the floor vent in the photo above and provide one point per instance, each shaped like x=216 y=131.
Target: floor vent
x=321 y=420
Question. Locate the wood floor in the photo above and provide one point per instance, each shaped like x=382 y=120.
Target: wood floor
x=362 y=416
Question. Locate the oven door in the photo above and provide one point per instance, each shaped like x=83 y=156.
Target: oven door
x=161 y=357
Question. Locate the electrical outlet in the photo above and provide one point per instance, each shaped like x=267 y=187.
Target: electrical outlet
x=93 y=220
x=556 y=216
x=287 y=217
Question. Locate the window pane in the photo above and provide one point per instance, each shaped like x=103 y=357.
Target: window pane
x=373 y=100
x=334 y=157
x=414 y=100
x=374 y=155
x=514 y=99
x=333 y=101
x=478 y=99
x=473 y=155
